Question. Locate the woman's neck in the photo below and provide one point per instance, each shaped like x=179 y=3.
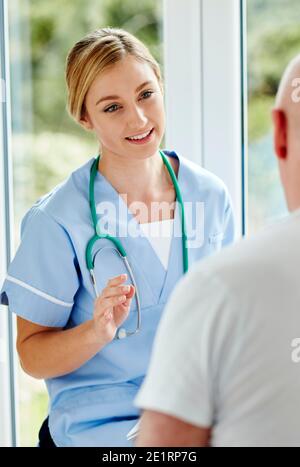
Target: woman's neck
x=142 y=180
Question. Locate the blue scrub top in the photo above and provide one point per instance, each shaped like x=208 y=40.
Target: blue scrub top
x=48 y=284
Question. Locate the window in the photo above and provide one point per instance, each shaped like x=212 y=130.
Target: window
x=203 y=105
x=46 y=145
x=7 y=380
x=273 y=39
x=204 y=95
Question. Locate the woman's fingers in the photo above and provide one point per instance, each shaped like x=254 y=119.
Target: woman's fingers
x=131 y=292
x=107 y=316
x=116 y=296
x=117 y=280
x=113 y=301
x=129 y=297
x=114 y=291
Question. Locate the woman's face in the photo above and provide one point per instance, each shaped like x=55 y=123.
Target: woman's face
x=133 y=109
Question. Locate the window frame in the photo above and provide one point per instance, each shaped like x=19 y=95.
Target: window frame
x=219 y=24
x=8 y=390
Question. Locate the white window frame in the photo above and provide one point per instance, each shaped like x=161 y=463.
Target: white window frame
x=8 y=412
x=204 y=88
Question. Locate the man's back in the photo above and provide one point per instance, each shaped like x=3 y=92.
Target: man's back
x=260 y=399
x=225 y=343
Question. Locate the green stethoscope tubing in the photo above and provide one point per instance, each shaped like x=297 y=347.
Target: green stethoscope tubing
x=119 y=247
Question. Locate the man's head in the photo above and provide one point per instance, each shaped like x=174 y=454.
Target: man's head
x=286 y=120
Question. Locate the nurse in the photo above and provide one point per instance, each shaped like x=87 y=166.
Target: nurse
x=68 y=329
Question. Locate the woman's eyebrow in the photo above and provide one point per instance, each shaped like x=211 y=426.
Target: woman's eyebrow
x=117 y=97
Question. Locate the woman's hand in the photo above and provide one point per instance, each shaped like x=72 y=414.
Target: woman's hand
x=63 y=351
x=112 y=308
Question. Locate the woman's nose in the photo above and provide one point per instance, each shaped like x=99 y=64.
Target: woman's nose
x=137 y=119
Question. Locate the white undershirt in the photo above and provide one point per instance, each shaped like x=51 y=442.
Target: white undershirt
x=160 y=234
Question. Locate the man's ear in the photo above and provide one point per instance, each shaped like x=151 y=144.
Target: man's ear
x=280 y=133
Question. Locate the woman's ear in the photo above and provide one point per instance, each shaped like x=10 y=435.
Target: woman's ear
x=86 y=122
x=280 y=133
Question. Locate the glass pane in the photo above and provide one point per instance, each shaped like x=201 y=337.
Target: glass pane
x=47 y=145
x=273 y=36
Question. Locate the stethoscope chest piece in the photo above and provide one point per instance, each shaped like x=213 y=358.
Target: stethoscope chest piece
x=121 y=333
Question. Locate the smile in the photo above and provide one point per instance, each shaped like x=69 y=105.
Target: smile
x=145 y=137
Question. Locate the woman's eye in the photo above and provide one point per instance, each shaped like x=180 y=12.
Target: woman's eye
x=109 y=108
x=112 y=108
x=147 y=92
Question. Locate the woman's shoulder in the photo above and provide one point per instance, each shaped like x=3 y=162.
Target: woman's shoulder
x=67 y=199
x=196 y=176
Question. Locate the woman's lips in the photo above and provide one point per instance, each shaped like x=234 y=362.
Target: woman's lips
x=141 y=141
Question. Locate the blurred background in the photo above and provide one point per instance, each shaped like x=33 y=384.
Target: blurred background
x=273 y=39
x=47 y=145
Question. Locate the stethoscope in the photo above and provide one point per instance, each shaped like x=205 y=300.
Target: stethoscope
x=121 y=332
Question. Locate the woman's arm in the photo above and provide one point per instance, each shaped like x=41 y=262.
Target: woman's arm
x=47 y=352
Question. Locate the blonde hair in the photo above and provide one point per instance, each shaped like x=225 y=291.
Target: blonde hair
x=95 y=53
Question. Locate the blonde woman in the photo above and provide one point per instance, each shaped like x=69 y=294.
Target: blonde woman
x=88 y=305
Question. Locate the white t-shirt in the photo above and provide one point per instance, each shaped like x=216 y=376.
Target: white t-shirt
x=160 y=234
x=225 y=355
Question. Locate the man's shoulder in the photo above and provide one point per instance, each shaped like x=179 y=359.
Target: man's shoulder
x=239 y=285
x=253 y=259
